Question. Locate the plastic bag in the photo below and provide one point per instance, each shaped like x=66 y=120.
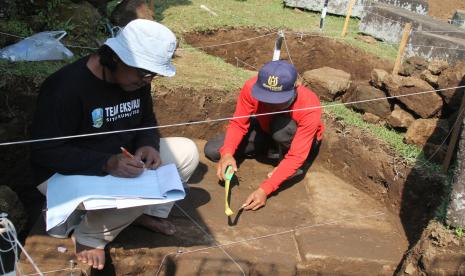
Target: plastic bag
x=41 y=46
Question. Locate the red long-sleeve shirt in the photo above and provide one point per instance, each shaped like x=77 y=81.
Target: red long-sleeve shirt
x=308 y=123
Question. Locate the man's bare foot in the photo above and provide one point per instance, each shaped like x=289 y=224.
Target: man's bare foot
x=94 y=257
x=155 y=224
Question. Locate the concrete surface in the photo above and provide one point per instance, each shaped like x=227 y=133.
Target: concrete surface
x=339 y=7
x=386 y=22
x=435 y=46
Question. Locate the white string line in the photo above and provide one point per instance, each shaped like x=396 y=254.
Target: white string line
x=210 y=237
x=445 y=139
x=423 y=31
x=57 y=270
x=346 y=38
x=288 y=52
x=228 y=43
x=181 y=48
x=67 y=45
x=245 y=63
x=380 y=42
x=11 y=234
x=437 y=47
x=223 y=119
x=330 y=222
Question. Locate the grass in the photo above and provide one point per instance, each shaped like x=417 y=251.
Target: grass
x=186 y=16
x=199 y=71
x=32 y=70
x=411 y=153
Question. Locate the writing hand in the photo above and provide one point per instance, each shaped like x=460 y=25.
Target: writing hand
x=150 y=155
x=121 y=166
x=225 y=161
x=255 y=200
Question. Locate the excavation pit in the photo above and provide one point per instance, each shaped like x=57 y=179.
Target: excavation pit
x=356 y=212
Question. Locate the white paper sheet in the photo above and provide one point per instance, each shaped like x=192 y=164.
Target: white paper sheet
x=66 y=192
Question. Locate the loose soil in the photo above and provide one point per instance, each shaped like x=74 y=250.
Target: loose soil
x=445 y=9
x=307 y=52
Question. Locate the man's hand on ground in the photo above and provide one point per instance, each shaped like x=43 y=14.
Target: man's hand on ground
x=224 y=162
x=121 y=166
x=150 y=155
x=255 y=200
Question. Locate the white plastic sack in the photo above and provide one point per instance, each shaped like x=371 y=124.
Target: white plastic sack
x=41 y=46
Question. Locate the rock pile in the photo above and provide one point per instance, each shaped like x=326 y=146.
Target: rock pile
x=426 y=117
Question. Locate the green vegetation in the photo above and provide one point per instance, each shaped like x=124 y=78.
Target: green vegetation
x=15 y=27
x=32 y=70
x=459 y=232
x=198 y=70
x=412 y=154
x=185 y=16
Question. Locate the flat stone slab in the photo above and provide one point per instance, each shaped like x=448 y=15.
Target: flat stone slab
x=386 y=22
x=339 y=7
x=371 y=244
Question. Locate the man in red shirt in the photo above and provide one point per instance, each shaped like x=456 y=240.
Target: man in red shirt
x=294 y=125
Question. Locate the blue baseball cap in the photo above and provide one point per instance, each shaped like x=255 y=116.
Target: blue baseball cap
x=275 y=83
x=145 y=44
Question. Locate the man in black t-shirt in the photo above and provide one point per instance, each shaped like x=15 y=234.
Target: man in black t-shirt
x=104 y=92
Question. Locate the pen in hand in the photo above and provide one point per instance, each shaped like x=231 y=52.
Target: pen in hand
x=129 y=155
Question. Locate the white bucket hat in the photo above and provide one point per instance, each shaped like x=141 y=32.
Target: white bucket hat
x=145 y=44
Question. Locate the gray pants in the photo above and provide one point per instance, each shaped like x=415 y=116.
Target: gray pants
x=256 y=141
x=99 y=227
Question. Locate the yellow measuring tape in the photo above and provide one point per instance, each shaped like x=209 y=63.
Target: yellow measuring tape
x=227 y=176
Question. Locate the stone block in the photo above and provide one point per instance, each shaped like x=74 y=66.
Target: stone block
x=328 y=83
x=371 y=118
x=436 y=66
x=452 y=77
x=377 y=77
x=400 y=118
x=424 y=105
x=424 y=131
x=429 y=78
x=386 y=22
x=338 y=7
x=416 y=6
x=380 y=108
x=436 y=46
x=458 y=19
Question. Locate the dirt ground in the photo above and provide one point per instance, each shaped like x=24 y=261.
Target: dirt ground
x=407 y=193
x=445 y=9
x=307 y=52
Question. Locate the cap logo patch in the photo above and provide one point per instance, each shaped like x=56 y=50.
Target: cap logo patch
x=272 y=84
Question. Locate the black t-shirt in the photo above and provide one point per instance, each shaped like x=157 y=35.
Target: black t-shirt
x=74 y=101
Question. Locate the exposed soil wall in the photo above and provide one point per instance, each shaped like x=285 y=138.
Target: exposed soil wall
x=307 y=52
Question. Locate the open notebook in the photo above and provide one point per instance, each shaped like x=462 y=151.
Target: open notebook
x=66 y=192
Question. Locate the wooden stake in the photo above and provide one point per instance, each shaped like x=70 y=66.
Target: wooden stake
x=403 y=43
x=349 y=13
x=455 y=135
